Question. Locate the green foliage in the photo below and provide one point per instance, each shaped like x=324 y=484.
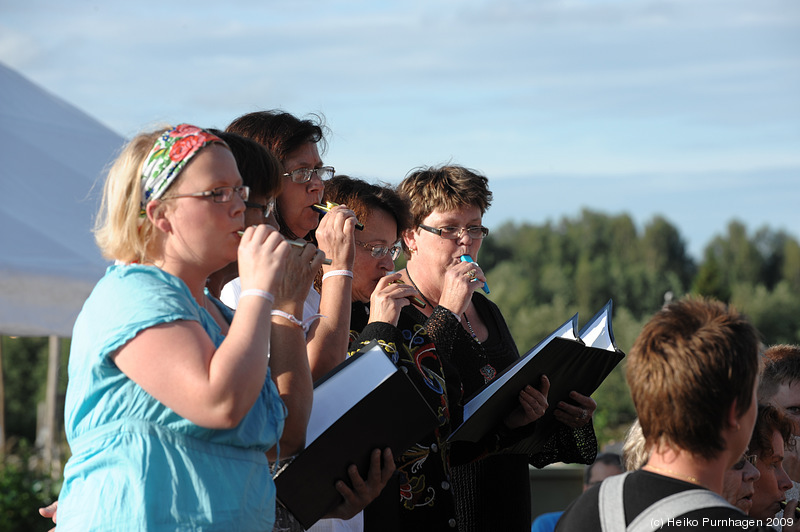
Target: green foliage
x=25 y=368
x=774 y=312
x=25 y=376
x=24 y=487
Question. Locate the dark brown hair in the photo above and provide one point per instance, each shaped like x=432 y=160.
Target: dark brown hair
x=259 y=168
x=770 y=420
x=280 y=132
x=363 y=198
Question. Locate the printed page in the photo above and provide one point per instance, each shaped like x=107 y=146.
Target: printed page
x=597 y=333
x=565 y=331
x=341 y=391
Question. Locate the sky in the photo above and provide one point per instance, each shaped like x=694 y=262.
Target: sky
x=686 y=109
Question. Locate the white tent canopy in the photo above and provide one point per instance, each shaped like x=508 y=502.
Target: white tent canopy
x=52 y=159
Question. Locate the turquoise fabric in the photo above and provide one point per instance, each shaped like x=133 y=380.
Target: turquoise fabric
x=136 y=464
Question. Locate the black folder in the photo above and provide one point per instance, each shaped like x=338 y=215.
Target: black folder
x=571 y=360
x=365 y=403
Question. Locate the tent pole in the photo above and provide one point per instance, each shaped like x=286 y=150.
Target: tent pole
x=51 y=458
x=2 y=404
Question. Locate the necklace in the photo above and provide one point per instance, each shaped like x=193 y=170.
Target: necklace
x=487 y=371
x=689 y=478
x=408 y=273
x=471 y=330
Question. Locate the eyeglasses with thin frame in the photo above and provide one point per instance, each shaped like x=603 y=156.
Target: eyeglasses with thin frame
x=738 y=466
x=219 y=194
x=475 y=232
x=303 y=175
x=265 y=209
x=379 y=250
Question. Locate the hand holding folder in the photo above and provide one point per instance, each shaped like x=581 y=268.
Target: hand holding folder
x=366 y=403
x=572 y=361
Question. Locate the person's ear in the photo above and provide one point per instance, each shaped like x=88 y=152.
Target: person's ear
x=410 y=240
x=733 y=416
x=156 y=213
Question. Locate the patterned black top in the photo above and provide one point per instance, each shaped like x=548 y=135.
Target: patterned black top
x=461 y=486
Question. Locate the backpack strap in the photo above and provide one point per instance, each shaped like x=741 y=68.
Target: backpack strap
x=659 y=513
x=611 y=506
x=610 y=503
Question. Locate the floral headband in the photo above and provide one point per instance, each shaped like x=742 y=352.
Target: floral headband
x=170 y=153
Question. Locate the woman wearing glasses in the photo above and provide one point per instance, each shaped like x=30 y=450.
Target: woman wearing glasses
x=738 y=484
x=474 y=344
x=378 y=300
x=376 y=295
x=294 y=142
x=170 y=407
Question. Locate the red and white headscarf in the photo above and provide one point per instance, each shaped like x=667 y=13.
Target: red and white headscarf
x=170 y=153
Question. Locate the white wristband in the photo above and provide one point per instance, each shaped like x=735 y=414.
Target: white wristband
x=258 y=293
x=334 y=273
x=302 y=324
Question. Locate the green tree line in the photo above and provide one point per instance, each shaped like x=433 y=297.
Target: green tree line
x=543 y=274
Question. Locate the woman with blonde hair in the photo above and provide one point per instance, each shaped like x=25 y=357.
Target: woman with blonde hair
x=170 y=408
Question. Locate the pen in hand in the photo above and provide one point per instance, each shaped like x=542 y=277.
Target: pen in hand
x=796 y=510
x=323 y=209
x=414 y=299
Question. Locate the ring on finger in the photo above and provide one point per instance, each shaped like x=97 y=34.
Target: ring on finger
x=471 y=273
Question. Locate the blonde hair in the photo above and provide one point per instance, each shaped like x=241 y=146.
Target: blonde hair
x=120 y=232
x=634 y=448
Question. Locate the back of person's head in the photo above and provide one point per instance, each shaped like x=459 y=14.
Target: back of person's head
x=446 y=188
x=280 y=132
x=770 y=420
x=613 y=461
x=363 y=198
x=634 y=448
x=259 y=168
x=691 y=362
x=781 y=366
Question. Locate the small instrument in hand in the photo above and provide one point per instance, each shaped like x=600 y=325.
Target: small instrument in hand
x=796 y=510
x=297 y=244
x=467 y=258
x=414 y=299
x=323 y=209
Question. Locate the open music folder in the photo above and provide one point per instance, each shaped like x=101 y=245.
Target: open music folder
x=365 y=403
x=571 y=360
